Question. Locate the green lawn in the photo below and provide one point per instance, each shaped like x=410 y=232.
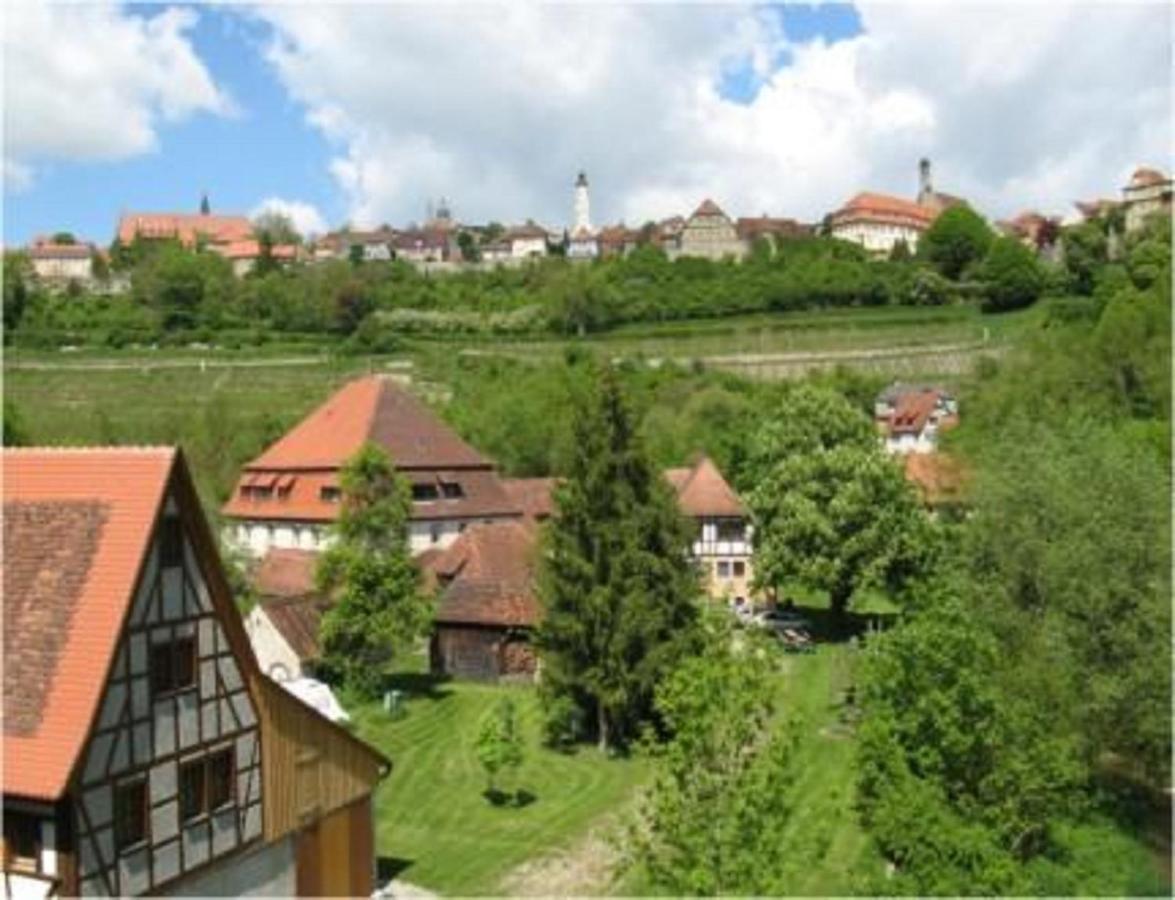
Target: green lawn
x=434 y=823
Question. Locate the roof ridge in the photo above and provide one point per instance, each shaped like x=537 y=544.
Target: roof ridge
x=103 y=448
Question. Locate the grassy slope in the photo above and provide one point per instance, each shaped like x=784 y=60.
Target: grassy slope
x=431 y=816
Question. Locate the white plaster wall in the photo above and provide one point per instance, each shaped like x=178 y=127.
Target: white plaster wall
x=274 y=655
x=521 y=248
x=79 y=269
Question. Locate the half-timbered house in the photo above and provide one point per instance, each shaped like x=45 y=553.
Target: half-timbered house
x=144 y=751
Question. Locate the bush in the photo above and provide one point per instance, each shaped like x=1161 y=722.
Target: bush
x=1011 y=276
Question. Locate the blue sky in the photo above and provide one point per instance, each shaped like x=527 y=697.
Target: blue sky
x=267 y=148
x=363 y=113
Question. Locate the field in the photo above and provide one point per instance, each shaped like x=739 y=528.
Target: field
x=436 y=830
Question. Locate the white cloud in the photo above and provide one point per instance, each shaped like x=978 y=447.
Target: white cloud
x=306 y=218
x=92 y=82
x=497 y=109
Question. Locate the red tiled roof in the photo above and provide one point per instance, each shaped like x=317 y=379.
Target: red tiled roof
x=184 y=227
x=372 y=409
x=297 y=620
x=708 y=208
x=702 y=491
x=532 y=495
x=286 y=573
x=1147 y=177
x=750 y=228
x=60 y=251
x=251 y=249
x=883 y=208
x=523 y=232
x=487 y=576
x=939 y=478
x=76 y=529
x=912 y=411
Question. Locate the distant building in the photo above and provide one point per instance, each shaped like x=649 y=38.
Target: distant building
x=526 y=241
x=425 y=246
x=1147 y=194
x=1089 y=210
x=910 y=417
x=709 y=233
x=879 y=221
x=750 y=230
x=62 y=263
x=582 y=242
x=190 y=229
x=375 y=246
x=1039 y=233
x=487 y=602
x=145 y=753
x=722 y=544
x=244 y=254
x=283 y=625
x=582 y=210
x=290 y=495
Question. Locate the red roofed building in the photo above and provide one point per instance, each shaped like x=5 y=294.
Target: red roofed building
x=244 y=254
x=144 y=752
x=289 y=495
x=940 y=479
x=910 y=417
x=187 y=228
x=1147 y=194
x=750 y=230
x=709 y=233
x=283 y=625
x=487 y=602
x=62 y=262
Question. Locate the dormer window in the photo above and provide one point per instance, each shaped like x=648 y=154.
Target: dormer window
x=451 y=490
x=330 y=493
x=424 y=493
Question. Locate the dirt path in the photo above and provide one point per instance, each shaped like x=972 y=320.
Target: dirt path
x=586 y=868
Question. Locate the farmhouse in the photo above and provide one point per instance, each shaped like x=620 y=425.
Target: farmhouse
x=283 y=626
x=144 y=751
x=289 y=495
x=487 y=603
x=910 y=416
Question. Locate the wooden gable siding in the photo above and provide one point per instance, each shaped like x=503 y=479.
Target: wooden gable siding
x=311 y=767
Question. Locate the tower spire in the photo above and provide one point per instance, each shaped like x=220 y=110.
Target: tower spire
x=205 y=209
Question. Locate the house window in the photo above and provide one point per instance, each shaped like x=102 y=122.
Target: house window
x=130 y=813
x=206 y=784
x=22 y=841
x=171 y=541
x=330 y=493
x=723 y=568
x=173 y=666
x=450 y=490
x=434 y=533
x=740 y=568
x=730 y=530
x=424 y=493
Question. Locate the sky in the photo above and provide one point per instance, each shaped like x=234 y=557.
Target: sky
x=370 y=113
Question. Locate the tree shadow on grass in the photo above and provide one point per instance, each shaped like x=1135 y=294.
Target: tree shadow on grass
x=513 y=799
x=419 y=685
x=390 y=867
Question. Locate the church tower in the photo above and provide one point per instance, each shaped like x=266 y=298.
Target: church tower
x=925 y=189
x=583 y=218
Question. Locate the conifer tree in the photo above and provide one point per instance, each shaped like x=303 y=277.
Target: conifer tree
x=378 y=606
x=620 y=596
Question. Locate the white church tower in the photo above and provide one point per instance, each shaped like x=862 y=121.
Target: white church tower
x=583 y=219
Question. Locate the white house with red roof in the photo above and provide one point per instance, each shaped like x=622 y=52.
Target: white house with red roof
x=144 y=752
x=290 y=495
x=57 y=262
x=910 y=417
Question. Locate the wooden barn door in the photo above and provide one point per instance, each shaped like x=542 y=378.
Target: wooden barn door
x=309 y=862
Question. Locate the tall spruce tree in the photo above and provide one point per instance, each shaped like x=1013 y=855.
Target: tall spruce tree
x=378 y=606
x=620 y=596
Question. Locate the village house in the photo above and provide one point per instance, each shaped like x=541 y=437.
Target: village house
x=709 y=233
x=878 y=222
x=910 y=417
x=526 y=241
x=244 y=254
x=1148 y=193
x=290 y=495
x=750 y=230
x=583 y=244
x=283 y=625
x=189 y=229
x=144 y=751
x=57 y=263
x=487 y=603
x=424 y=246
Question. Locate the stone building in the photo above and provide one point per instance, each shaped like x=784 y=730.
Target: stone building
x=1148 y=193
x=710 y=233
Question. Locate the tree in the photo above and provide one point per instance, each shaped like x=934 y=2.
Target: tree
x=1086 y=252
x=955 y=240
x=1012 y=276
x=15 y=432
x=831 y=510
x=64 y=237
x=499 y=745
x=276 y=227
x=620 y=601
x=900 y=252
x=711 y=823
x=18 y=271
x=378 y=607
x=468 y=247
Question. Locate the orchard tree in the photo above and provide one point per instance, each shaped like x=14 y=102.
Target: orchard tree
x=499 y=745
x=276 y=227
x=378 y=607
x=1012 y=276
x=955 y=240
x=620 y=597
x=832 y=511
x=711 y=823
